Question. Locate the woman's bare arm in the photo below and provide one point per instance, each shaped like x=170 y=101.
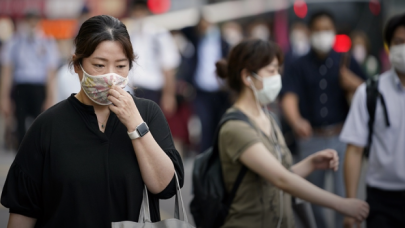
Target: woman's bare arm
x=258 y=159
x=20 y=221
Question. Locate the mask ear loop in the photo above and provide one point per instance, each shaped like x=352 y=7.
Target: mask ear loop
x=84 y=72
x=263 y=107
x=254 y=92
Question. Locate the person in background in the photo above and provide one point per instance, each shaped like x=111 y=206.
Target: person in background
x=260 y=30
x=299 y=46
x=154 y=75
x=314 y=100
x=299 y=43
x=232 y=33
x=198 y=68
x=67 y=80
x=361 y=53
x=385 y=177
x=263 y=198
x=30 y=61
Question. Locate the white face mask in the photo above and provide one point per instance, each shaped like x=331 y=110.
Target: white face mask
x=232 y=36
x=397 y=57
x=271 y=88
x=359 y=53
x=323 y=41
x=261 y=32
x=299 y=42
x=96 y=87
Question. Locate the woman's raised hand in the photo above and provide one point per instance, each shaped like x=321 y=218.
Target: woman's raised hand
x=124 y=107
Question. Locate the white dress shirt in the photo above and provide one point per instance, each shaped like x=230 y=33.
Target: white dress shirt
x=387 y=153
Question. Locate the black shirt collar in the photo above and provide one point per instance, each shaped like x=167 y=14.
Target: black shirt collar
x=77 y=104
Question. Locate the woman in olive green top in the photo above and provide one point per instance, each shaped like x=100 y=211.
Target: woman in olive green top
x=263 y=198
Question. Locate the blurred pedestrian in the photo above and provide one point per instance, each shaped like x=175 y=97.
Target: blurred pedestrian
x=199 y=69
x=86 y=161
x=154 y=75
x=30 y=60
x=263 y=197
x=67 y=80
x=232 y=33
x=361 y=53
x=299 y=43
x=314 y=100
x=259 y=29
x=385 y=177
x=299 y=46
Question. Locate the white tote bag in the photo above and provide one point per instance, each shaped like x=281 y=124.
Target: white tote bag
x=144 y=220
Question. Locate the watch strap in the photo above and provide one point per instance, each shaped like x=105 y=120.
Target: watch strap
x=134 y=134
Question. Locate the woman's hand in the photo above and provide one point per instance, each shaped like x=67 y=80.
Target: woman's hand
x=124 y=107
x=354 y=208
x=325 y=159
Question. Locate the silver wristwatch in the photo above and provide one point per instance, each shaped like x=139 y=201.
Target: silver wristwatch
x=141 y=130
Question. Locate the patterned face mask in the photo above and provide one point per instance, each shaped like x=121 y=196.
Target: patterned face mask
x=96 y=87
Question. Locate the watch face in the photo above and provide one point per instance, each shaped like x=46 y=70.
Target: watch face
x=143 y=129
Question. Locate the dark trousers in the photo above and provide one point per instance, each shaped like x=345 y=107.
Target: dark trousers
x=387 y=208
x=209 y=107
x=29 y=99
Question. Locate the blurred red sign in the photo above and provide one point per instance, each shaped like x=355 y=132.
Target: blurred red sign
x=343 y=43
x=300 y=8
x=159 y=6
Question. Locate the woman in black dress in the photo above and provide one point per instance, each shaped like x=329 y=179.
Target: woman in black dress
x=84 y=162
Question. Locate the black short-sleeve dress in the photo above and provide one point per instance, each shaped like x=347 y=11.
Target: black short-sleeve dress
x=67 y=173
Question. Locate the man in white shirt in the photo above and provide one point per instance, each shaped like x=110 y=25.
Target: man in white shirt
x=153 y=75
x=29 y=63
x=386 y=172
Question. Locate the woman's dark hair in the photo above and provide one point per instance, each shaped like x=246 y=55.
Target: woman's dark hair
x=319 y=14
x=98 y=29
x=392 y=25
x=252 y=55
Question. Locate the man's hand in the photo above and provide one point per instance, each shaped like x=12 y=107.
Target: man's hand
x=168 y=104
x=303 y=128
x=348 y=80
x=351 y=223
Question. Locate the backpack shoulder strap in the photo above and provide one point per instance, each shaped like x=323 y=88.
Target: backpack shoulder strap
x=373 y=94
x=371 y=99
x=236 y=115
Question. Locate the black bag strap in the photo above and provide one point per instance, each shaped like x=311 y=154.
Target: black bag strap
x=234 y=115
x=372 y=97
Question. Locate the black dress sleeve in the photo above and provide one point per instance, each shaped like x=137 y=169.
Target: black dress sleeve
x=22 y=189
x=160 y=131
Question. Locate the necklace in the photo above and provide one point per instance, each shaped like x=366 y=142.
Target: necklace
x=103 y=123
